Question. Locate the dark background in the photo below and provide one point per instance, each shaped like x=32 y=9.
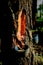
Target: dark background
x=6 y=26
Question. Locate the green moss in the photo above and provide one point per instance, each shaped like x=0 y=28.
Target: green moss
x=0 y=63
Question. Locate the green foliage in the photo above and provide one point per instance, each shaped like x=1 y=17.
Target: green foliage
x=39 y=19
x=40 y=7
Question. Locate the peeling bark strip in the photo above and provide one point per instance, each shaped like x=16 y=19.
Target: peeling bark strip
x=22 y=22
x=27 y=5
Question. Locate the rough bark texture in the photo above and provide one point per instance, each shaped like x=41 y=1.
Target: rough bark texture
x=27 y=56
